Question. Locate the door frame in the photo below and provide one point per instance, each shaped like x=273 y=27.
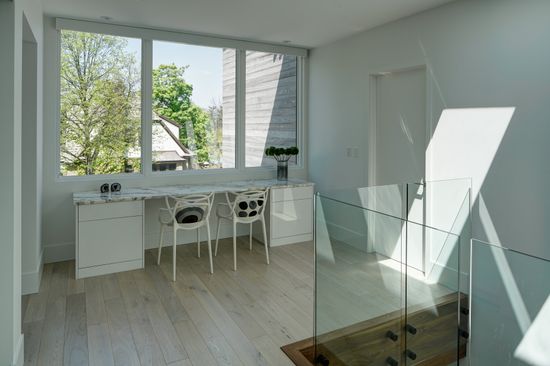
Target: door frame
x=373 y=119
x=374 y=76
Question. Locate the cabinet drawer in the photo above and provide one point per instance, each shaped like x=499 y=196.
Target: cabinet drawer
x=290 y=218
x=289 y=194
x=110 y=210
x=110 y=241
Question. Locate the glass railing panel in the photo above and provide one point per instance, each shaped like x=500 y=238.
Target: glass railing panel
x=510 y=307
x=432 y=302
x=359 y=292
x=444 y=205
x=437 y=203
x=433 y=203
x=387 y=199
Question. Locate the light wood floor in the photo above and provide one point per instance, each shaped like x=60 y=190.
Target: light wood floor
x=354 y=286
x=142 y=318
x=228 y=318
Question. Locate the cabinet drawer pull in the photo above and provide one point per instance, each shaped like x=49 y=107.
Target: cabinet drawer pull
x=391 y=361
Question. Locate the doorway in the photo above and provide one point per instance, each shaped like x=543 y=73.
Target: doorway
x=398 y=142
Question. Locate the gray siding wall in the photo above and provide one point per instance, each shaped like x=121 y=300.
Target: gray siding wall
x=271 y=101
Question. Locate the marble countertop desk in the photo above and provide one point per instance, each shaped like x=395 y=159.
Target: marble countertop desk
x=134 y=194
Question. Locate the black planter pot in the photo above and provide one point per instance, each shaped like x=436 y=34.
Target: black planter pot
x=282 y=170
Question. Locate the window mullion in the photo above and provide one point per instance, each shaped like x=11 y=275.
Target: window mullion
x=146 y=106
x=240 y=132
x=301 y=111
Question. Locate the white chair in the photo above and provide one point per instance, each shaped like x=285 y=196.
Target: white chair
x=188 y=213
x=244 y=208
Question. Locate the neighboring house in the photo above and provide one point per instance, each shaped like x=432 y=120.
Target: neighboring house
x=168 y=151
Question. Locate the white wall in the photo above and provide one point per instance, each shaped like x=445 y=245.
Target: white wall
x=58 y=234
x=479 y=53
x=31 y=173
x=11 y=42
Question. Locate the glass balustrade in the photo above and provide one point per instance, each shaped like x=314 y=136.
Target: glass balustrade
x=390 y=288
x=510 y=307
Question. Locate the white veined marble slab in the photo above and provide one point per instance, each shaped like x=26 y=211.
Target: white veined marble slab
x=134 y=194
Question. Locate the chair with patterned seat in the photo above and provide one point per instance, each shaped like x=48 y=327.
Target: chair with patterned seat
x=245 y=207
x=190 y=212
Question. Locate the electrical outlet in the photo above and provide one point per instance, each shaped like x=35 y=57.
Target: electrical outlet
x=349 y=152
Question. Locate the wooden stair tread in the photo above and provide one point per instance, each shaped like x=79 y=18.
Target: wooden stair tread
x=365 y=343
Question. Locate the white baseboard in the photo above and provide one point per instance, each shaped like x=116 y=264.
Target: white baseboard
x=19 y=355
x=347 y=235
x=59 y=252
x=30 y=281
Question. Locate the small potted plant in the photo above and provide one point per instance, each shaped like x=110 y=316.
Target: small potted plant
x=282 y=155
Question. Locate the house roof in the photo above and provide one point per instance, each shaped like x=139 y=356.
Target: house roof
x=163 y=121
x=167 y=120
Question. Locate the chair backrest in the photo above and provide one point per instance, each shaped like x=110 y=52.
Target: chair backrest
x=248 y=205
x=191 y=209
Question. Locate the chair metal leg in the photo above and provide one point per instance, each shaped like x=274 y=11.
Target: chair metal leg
x=250 y=237
x=217 y=237
x=198 y=242
x=234 y=246
x=209 y=247
x=174 y=256
x=160 y=242
x=265 y=241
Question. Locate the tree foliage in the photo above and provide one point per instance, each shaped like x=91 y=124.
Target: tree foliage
x=172 y=99
x=100 y=104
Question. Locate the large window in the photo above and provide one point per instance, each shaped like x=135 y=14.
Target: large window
x=271 y=105
x=210 y=106
x=100 y=111
x=193 y=107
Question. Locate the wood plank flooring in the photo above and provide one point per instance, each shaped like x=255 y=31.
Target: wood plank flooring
x=229 y=318
x=143 y=318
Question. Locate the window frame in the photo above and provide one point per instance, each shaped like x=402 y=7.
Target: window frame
x=198 y=171
x=300 y=115
x=147 y=37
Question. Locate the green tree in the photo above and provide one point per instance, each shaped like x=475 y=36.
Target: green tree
x=100 y=113
x=172 y=99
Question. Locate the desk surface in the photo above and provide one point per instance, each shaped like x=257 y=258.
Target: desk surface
x=134 y=194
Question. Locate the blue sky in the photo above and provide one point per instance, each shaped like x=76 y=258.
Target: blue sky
x=205 y=67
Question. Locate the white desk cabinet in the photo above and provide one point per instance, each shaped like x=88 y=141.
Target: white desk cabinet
x=109 y=238
x=110 y=228
x=289 y=216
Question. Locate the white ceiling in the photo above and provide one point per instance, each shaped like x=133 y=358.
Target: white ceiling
x=308 y=23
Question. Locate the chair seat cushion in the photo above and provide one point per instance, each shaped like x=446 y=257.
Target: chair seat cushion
x=189 y=215
x=248 y=208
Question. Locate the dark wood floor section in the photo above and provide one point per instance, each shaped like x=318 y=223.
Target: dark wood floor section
x=142 y=318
